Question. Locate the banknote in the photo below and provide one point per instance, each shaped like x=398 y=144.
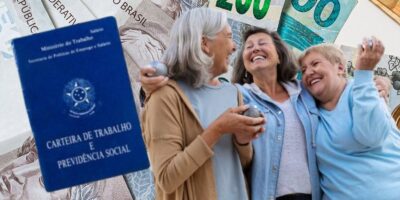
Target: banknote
x=265 y=14
x=30 y=15
x=306 y=23
x=8 y=31
x=144 y=31
x=65 y=12
x=111 y=8
x=14 y=121
x=144 y=37
x=173 y=8
x=17 y=18
x=141 y=184
x=189 y=4
x=388 y=66
x=22 y=179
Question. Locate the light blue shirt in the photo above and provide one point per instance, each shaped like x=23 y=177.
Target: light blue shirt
x=268 y=147
x=210 y=102
x=358 y=145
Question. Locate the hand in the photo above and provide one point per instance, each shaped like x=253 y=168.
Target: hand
x=369 y=54
x=244 y=128
x=383 y=85
x=151 y=84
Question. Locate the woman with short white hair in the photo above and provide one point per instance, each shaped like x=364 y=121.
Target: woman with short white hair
x=198 y=141
x=358 y=149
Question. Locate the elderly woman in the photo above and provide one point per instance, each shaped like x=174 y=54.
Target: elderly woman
x=358 y=143
x=284 y=163
x=197 y=139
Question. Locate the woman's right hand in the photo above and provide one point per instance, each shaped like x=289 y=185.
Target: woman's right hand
x=232 y=121
x=383 y=86
x=151 y=84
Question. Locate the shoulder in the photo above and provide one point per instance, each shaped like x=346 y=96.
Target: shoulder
x=244 y=91
x=348 y=91
x=349 y=84
x=240 y=87
x=232 y=89
x=304 y=92
x=307 y=97
x=169 y=93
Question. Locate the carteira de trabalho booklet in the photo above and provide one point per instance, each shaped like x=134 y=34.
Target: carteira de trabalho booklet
x=80 y=105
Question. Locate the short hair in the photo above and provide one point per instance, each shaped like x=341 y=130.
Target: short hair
x=286 y=70
x=184 y=56
x=329 y=51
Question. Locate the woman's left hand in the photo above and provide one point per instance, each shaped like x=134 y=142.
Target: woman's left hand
x=369 y=54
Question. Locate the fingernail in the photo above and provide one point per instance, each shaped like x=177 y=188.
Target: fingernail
x=370 y=43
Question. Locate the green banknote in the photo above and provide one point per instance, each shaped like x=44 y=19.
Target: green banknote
x=308 y=22
x=261 y=13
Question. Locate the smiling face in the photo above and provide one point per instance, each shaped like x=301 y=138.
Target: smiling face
x=321 y=77
x=220 y=48
x=260 y=53
x=265 y=55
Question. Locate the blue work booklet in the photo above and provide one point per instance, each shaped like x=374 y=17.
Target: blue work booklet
x=80 y=105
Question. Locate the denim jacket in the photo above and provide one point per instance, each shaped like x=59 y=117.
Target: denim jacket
x=268 y=147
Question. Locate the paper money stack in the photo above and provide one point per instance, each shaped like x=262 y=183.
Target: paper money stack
x=144 y=27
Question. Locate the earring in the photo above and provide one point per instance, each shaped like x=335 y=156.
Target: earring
x=246 y=77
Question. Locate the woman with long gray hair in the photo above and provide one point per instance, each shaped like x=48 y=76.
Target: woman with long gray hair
x=198 y=141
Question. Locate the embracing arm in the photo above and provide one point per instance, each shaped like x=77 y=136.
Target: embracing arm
x=245 y=150
x=245 y=153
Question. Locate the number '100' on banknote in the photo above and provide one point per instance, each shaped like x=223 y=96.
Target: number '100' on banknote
x=306 y=23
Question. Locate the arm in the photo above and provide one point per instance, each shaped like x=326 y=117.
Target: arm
x=172 y=161
x=245 y=153
x=244 y=149
x=151 y=84
x=371 y=122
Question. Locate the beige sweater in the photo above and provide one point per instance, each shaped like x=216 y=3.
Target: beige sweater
x=180 y=158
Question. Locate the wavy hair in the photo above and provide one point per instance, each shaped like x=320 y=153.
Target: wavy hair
x=184 y=56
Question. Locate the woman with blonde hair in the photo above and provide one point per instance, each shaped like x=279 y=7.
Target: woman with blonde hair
x=358 y=149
